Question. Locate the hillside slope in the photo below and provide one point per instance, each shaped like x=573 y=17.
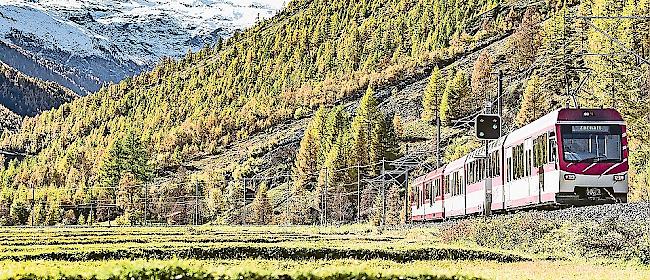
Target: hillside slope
x=27 y=96
x=311 y=53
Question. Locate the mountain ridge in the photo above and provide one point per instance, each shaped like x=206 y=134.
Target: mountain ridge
x=103 y=42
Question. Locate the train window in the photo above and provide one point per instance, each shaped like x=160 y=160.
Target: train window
x=421 y=200
x=544 y=149
x=552 y=146
x=413 y=195
x=452 y=184
x=446 y=185
x=497 y=167
x=517 y=162
x=427 y=187
x=417 y=196
x=461 y=188
x=529 y=161
x=454 y=187
x=526 y=162
x=536 y=152
x=471 y=172
x=455 y=191
x=434 y=190
x=508 y=169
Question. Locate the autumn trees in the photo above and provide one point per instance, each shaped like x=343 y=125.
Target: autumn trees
x=432 y=95
x=333 y=150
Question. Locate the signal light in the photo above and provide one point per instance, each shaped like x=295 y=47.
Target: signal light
x=488 y=127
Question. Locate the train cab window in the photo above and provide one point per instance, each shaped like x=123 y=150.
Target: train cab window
x=591 y=143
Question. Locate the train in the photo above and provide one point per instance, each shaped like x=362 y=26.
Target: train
x=569 y=157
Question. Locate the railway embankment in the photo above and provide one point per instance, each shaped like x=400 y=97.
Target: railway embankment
x=616 y=231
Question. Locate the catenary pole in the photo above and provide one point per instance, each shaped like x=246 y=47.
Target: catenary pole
x=383 y=193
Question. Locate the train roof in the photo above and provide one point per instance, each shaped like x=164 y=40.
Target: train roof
x=559 y=116
x=435 y=173
x=456 y=164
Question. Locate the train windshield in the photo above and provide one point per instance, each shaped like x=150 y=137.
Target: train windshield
x=591 y=143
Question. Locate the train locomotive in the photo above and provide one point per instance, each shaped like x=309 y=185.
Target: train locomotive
x=569 y=157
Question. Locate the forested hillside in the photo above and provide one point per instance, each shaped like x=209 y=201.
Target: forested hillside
x=313 y=52
x=321 y=53
x=27 y=96
x=9 y=120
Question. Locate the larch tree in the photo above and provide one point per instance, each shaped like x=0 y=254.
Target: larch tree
x=534 y=103
x=551 y=69
x=481 y=84
x=394 y=205
x=261 y=206
x=456 y=92
x=363 y=127
x=523 y=44
x=432 y=95
x=398 y=126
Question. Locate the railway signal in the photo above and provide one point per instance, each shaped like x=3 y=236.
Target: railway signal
x=488 y=127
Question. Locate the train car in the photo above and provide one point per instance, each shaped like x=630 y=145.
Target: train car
x=427 y=201
x=454 y=188
x=569 y=157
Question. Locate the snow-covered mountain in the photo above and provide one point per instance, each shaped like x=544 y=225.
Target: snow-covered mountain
x=83 y=44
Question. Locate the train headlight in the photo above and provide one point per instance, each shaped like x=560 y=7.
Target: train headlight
x=569 y=177
x=619 y=178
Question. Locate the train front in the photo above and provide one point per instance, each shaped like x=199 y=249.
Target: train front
x=593 y=157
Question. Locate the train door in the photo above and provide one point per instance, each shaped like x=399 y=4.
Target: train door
x=509 y=177
x=551 y=178
x=531 y=177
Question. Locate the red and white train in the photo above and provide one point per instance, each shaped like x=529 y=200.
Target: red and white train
x=570 y=157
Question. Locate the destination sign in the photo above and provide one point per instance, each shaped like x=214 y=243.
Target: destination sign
x=590 y=129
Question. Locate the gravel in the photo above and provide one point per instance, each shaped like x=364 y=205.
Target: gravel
x=623 y=212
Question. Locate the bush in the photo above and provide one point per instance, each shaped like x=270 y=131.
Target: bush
x=576 y=232
x=69 y=217
x=19 y=213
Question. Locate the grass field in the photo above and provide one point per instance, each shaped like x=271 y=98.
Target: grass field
x=280 y=253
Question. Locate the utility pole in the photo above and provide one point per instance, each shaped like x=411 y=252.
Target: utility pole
x=325 y=201
x=243 y=219
x=196 y=206
x=383 y=192
x=500 y=93
x=438 y=132
x=406 y=197
x=33 y=202
x=92 y=203
x=146 y=202
x=288 y=220
x=358 y=193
